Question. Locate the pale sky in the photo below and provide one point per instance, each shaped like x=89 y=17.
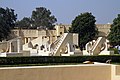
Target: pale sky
x=66 y=10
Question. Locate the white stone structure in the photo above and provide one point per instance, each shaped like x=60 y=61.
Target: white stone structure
x=55 y=42
x=40 y=43
x=98 y=47
x=13 y=46
x=63 y=46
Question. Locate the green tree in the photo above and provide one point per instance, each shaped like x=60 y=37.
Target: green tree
x=25 y=23
x=114 y=35
x=7 y=22
x=42 y=18
x=84 y=25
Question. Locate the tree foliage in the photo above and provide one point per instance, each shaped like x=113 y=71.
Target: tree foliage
x=84 y=25
x=114 y=35
x=40 y=18
x=7 y=22
x=24 y=23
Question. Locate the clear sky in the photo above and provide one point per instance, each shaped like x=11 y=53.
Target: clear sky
x=66 y=10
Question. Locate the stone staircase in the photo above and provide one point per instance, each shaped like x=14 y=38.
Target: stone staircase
x=59 y=43
x=96 y=48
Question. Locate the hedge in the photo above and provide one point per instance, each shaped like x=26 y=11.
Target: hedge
x=56 y=59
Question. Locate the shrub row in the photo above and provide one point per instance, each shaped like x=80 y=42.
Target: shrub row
x=56 y=59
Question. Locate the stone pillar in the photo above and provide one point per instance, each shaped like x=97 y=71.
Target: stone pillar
x=29 y=39
x=18 y=45
x=10 y=47
x=25 y=40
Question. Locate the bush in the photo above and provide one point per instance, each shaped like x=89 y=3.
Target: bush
x=115 y=50
x=48 y=60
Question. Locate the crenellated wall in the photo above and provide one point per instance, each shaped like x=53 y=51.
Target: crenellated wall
x=103 y=29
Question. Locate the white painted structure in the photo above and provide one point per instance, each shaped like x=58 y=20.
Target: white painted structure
x=63 y=46
x=98 y=47
x=40 y=46
x=55 y=42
